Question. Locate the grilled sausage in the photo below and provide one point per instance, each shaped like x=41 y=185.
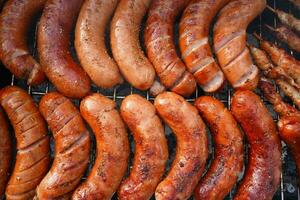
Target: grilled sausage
x=194 y=45
x=33 y=148
x=54 y=30
x=15 y=20
x=159 y=41
x=72 y=147
x=112 y=148
x=151 y=150
x=230 y=42
x=191 y=149
x=262 y=176
x=290 y=91
x=5 y=153
x=296 y=3
x=228 y=145
x=90 y=42
x=124 y=34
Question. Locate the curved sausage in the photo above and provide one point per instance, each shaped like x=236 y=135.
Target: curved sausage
x=72 y=147
x=191 y=149
x=33 y=148
x=90 y=42
x=112 y=148
x=5 y=153
x=127 y=52
x=159 y=42
x=230 y=42
x=195 y=48
x=262 y=176
x=151 y=150
x=228 y=150
x=55 y=26
x=15 y=21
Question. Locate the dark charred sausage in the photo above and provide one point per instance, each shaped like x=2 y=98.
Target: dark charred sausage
x=55 y=27
x=15 y=20
x=228 y=147
x=33 y=148
x=112 y=148
x=262 y=176
x=191 y=149
x=151 y=150
x=72 y=147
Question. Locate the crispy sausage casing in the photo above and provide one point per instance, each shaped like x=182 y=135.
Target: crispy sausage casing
x=262 y=176
x=72 y=147
x=159 y=41
x=230 y=42
x=151 y=150
x=228 y=147
x=33 y=148
x=15 y=21
x=191 y=149
x=54 y=31
x=90 y=42
x=5 y=153
x=124 y=34
x=112 y=148
x=194 y=44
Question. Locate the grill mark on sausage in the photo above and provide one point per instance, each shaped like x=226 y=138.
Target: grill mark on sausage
x=212 y=82
x=64 y=122
x=202 y=64
x=250 y=75
x=196 y=45
x=222 y=43
x=25 y=195
x=83 y=137
x=237 y=58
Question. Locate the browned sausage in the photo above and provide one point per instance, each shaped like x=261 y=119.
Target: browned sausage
x=230 y=42
x=90 y=42
x=151 y=150
x=191 y=149
x=296 y=3
x=262 y=176
x=124 y=34
x=33 y=148
x=112 y=148
x=72 y=147
x=15 y=21
x=54 y=31
x=5 y=153
x=194 y=45
x=228 y=150
x=159 y=42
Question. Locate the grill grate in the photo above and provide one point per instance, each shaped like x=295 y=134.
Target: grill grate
x=288 y=187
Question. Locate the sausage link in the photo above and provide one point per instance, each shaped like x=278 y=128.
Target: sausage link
x=151 y=150
x=54 y=31
x=33 y=148
x=194 y=45
x=159 y=41
x=72 y=147
x=262 y=176
x=5 y=153
x=112 y=148
x=124 y=34
x=228 y=147
x=15 y=20
x=90 y=42
x=191 y=149
x=296 y=3
x=230 y=42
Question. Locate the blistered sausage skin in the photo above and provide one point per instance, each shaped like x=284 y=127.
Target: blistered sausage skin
x=230 y=42
x=228 y=150
x=127 y=52
x=15 y=20
x=72 y=147
x=191 y=149
x=112 y=149
x=159 y=42
x=90 y=42
x=194 y=45
x=33 y=148
x=262 y=175
x=151 y=150
x=5 y=153
x=54 y=30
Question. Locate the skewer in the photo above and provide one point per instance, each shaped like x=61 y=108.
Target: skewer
x=271 y=28
x=257 y=36
x=271 y=9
